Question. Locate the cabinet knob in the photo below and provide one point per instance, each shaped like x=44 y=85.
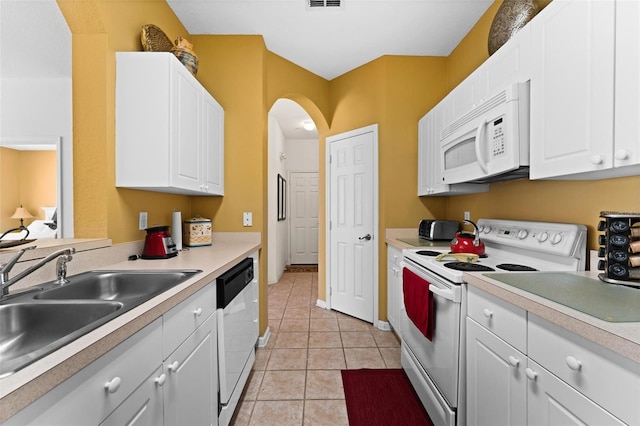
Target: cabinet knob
x=197 y=312
x=597 y=159
x=622 y=154
x=113 y=385
x=531 y=375
x=161 y=379
x=514 y=361
x=573 y=363
x=487 y=313
x=173 y=367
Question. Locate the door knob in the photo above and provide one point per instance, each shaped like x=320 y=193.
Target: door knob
x=366 y=237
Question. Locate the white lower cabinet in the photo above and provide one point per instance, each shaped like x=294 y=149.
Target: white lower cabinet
x=191 y=387
x=92 y=394
x=394 y=287
x=553 y=402
x=134 y=384
x=559 y=378
x=496 y=382
x=143 y=407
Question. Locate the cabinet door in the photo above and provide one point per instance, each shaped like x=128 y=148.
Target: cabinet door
x=425 y=137
x=190 y=391
x=394 y=290
x=185 y=162
x=552 y=402
x=212 y=145
x=627 y=91
x=496 y=382
x=572 y=88
x=143 y=407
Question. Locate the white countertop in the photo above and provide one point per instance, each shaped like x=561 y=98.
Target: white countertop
x=28 y=384
x=620 y=337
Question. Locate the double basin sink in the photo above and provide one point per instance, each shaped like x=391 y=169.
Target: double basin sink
x=40 y=321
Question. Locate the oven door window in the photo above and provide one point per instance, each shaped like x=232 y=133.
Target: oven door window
x=439 y=357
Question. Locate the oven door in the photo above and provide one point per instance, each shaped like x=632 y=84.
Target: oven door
x=439 y=357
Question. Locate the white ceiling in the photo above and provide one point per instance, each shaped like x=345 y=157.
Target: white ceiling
x=332 y=41
x=35 y=41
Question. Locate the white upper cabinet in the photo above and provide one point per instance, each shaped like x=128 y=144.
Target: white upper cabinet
x=169 y=129
x=584 y=74
x=429 y=166
x=510 y=64
x=627 y=88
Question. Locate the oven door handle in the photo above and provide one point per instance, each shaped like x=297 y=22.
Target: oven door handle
x=447 y=294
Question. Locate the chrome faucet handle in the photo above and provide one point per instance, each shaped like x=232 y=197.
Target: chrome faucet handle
x=61 y=268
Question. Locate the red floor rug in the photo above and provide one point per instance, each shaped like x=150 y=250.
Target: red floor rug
x=382 y=397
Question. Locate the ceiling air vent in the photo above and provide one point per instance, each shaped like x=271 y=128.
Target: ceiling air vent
x=324 y=4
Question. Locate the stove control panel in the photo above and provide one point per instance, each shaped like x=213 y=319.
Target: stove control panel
x=554 y=238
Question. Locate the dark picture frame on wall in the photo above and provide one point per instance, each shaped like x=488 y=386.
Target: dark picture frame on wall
x=282 y=197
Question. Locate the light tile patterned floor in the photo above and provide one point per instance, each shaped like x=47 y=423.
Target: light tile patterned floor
x=296 y=378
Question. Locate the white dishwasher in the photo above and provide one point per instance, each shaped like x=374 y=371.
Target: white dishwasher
x=237 y=333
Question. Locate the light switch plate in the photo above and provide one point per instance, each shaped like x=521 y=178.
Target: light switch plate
x=247 y=219
x=142 y=221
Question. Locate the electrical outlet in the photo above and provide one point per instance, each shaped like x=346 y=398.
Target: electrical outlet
x=247 y=219
x=142 y=221
x=467 y=215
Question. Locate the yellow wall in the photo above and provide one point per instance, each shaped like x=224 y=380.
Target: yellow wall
x=27 y=178
x=393 y=91
x=553 y=201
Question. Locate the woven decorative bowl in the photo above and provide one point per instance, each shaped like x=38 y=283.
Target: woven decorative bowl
x=185 y=54
x=154 y=39
x=512 y=15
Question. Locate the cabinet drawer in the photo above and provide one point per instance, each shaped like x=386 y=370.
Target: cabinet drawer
x=83 y=399
x=143 y=407
x=503 y=319
x=607 y=378
x=186 y=317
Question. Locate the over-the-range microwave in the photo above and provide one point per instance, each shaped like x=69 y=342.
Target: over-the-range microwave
x=489 y=143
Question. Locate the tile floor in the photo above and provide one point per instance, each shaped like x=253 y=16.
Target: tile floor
x=296 y=378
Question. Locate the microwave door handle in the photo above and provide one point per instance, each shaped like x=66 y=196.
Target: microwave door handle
x=479 y=136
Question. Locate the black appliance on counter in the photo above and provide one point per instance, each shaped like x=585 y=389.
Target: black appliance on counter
x=620 y=248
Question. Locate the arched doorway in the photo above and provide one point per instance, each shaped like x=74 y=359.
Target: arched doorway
x=293 y=162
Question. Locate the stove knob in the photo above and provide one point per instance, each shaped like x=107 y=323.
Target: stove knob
x=556 y=238
x=486 y=229
x=522 y=234
x=542 y=237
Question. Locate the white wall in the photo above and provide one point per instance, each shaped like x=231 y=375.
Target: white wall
x=42 y=107
x=278 y=232
x=302 y=155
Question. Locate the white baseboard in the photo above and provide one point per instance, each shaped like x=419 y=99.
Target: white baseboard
x=384 y=325
x=263 y=340
x=321 y=304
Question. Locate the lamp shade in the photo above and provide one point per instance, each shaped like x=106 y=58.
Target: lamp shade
x=21 y=213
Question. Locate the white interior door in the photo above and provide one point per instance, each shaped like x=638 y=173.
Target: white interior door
x=353 y=206
x=303 y=190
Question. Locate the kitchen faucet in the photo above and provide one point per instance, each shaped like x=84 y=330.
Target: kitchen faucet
x=64 y=256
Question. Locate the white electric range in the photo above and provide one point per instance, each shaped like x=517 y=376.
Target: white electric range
x=435 y=367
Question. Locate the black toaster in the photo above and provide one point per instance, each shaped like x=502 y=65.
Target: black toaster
x=436 y=229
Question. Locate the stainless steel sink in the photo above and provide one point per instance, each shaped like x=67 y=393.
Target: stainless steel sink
x=36 y=323
x=117 y=285
x=29 y=331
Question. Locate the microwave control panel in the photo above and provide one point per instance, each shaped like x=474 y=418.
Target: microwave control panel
x=497 y=137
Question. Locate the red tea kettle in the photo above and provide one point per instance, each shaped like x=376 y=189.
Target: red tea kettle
x=464 y=242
